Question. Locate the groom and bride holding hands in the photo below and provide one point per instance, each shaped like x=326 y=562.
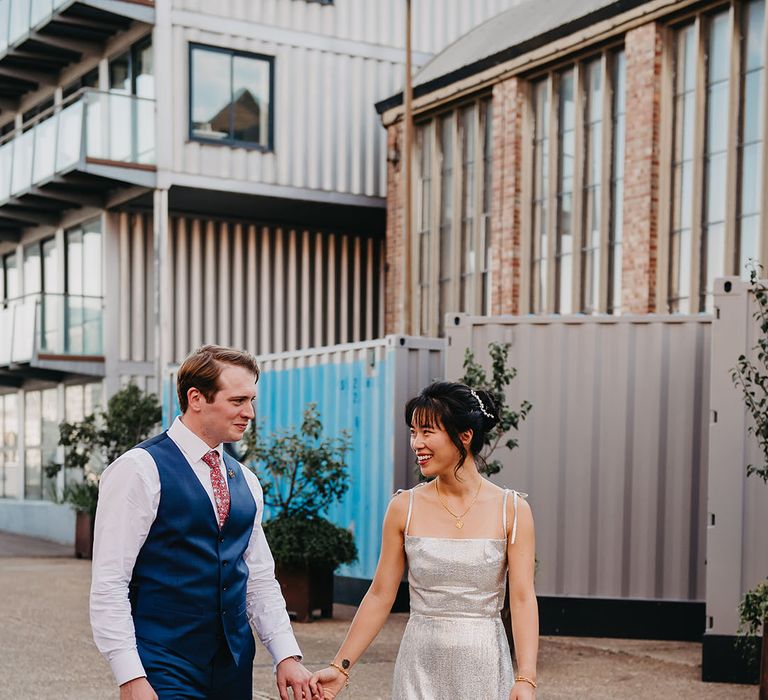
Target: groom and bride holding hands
x=183 y=576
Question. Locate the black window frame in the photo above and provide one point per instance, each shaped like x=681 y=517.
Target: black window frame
x=250 y=145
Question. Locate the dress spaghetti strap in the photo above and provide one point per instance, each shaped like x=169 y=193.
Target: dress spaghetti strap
x=515 y=496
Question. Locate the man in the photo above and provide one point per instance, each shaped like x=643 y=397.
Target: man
x=180 y=562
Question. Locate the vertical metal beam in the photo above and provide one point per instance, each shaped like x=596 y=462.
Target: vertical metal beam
x=196 y=288
x=139 y=290
x=238 y=289
x=251 y=318
x=181 y=292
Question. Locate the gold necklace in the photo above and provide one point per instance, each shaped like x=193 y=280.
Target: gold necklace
x=459 y=522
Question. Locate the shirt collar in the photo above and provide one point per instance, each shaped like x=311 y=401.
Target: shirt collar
x=191 y=444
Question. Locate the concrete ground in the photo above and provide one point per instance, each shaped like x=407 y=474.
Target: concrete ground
x=46 y=650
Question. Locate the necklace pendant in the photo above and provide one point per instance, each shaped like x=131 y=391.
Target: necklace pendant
x=459 y=524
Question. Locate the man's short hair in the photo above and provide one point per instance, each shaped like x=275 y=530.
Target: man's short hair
x=202 y=368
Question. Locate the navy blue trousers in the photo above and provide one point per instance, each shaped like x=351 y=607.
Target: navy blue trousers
x=175 y=678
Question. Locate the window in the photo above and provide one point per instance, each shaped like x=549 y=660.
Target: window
x=84 y=290
x=230 y=97
x=81 y=400
x=717 y=158
x=41 y=438
x=453 y=180
x=9 y=446
x=9 y=278
x=41 y=277
x=132 y=73
x=577 y=149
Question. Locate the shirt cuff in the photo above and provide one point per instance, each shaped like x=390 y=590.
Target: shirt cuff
x=282 y=646
x=126 y=665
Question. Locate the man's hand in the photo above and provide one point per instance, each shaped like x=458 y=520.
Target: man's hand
x=137 y=689
x=327 y=684
x=291 y=674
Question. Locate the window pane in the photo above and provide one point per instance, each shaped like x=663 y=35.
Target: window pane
x=49 y=437
x=250 y=85
x=749 y=243
x=9 y=445
x=12 y=281
x=211 y=82
x=75 y=262
x=566 y=156
x=120 y=74
x=143 y=68
x=468 y=252
x=33 y=485
x=616 y=232
x=446 y=216
x=32 y=269
x=540 y=252
x=92 y=258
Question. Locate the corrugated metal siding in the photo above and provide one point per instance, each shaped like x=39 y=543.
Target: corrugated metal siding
x=613 y=454
x=327 y=135
x=136 y=290
x=436 y=23
x=271 y=289
x=358 y=387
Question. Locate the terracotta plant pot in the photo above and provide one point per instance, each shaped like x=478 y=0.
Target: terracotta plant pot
x=308 y=592
x=83 y=535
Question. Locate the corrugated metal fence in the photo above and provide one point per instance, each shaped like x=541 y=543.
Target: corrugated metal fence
x=614 y=453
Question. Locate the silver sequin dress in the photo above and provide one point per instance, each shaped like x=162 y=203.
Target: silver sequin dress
x=454 y=645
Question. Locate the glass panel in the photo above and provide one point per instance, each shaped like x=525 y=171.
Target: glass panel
x=211 y=80
x=424 y=156
x=120 y=74
x=23 y=147
x=682 y=176
x=446 y=217
x=49 y=438
x=143 y=69
x=539 y=270
x=12 y=279
x=467 y=261
x=9 y=446
x=616 y=231
x=69 y=136
x=33 y=279
x=19 y=22
x=41 y=9
x=33 y=485
x=5 y=7
x=566 y=156
x=250 y=100
x=487 y=196
x=45 y=149
x=91 y=285
x=50 y=313
x=75 y=262
x=749 y=243
x=6 y=162
x=121 y=128
x=751 y=190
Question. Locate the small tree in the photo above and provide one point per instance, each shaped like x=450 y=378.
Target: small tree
x=302 y=474
x=509 y=418
x=100 y=438
x=752 y=378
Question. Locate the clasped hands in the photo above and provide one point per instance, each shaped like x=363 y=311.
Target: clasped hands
x=325 y=684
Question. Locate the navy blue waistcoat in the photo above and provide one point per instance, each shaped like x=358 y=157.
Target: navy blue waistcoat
x=189 y=581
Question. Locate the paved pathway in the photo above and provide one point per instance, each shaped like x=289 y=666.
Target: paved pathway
x=47 y=650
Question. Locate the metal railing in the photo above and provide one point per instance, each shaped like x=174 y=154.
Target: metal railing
x=105 y=126
x=57 y=324
x=19 y=17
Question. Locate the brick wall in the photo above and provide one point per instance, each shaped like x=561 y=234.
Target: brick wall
x=641 y=166
x=507 y=111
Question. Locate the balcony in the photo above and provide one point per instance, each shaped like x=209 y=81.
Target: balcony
x=72 y=156
x=51 y=336
x=40 y=37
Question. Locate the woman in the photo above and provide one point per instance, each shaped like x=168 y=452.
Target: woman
x=459 y=535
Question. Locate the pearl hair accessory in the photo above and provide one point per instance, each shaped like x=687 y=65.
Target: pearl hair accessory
x=482 y=407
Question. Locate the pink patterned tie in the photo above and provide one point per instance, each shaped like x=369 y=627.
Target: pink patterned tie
x=220 y=491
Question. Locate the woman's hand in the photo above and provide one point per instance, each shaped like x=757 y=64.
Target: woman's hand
x=522 y=691
x=327 y=683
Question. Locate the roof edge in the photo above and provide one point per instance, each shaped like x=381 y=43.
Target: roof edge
x=512 y=52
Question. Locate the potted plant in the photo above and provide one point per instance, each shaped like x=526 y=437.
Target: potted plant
x=97 y=440
x=302 y=474
x=753 y=617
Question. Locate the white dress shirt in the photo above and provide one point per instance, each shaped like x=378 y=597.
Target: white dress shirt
x=129 y=495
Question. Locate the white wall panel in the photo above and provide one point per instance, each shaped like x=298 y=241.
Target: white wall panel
x=272 y=289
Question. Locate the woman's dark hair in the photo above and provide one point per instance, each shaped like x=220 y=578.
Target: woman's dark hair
x=456 y=408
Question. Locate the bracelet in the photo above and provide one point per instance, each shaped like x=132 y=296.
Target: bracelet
x=342 y=671
x=525 y=680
